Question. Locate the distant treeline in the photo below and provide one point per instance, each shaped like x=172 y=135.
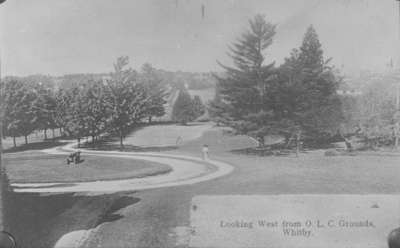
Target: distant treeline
x=178 y=79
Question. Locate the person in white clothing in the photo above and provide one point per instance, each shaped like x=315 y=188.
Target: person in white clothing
x=205 y=152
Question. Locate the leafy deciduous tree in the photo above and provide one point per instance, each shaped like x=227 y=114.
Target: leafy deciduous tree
x=155 y=90
x=127 y=99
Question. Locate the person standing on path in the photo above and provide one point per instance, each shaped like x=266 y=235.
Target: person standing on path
x=178 y=141
x=205 y=152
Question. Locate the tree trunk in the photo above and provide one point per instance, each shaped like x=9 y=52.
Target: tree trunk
x=45 y=134
x=298 y=138
x=261 y=141
x=287 y=139
x=53 y=133
x=26 y=139
x=149 y=119
x=14 y=142
x=93 y=140
x=121 y=138
x=61 y=132
x=79 y=142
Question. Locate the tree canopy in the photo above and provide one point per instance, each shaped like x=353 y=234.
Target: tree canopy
x=113 y=104
x=297 y=98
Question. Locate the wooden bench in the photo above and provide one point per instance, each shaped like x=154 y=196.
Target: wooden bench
x=74 y=157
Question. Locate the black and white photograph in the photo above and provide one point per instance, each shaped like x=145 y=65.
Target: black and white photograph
x=200 y=124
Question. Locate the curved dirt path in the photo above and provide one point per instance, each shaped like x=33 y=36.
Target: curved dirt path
x=185 y=170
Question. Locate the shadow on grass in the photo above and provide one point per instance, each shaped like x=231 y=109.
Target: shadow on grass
x=108 y=144
x=131 y=148
x=35 y=146
x=191 y=124
x=41 y=220
x=110 y=215
x=280 y=149
x=265 y=151
x=58 y=185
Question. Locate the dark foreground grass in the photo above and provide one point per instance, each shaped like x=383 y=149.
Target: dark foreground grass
x=39 y=168
x=38 y=221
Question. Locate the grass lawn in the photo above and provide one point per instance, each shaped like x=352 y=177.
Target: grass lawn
x=311 y=172
x=150 y=217
x=161 y=211
x=35 y=167
x=166 y=135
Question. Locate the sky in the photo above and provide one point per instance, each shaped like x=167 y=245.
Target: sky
x=59 y=37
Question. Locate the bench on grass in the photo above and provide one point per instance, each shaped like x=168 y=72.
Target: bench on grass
x=74 y=157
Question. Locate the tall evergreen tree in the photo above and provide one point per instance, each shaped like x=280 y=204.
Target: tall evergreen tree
x=307 y=89
x=245 y=84
x=311 y=54
x=245 y=88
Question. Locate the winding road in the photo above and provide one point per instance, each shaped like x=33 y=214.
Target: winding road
x=185 y=170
